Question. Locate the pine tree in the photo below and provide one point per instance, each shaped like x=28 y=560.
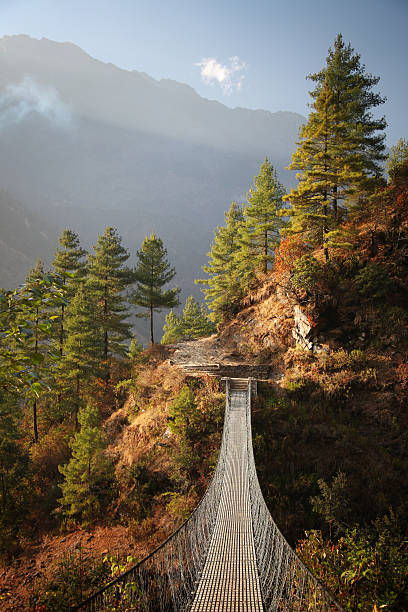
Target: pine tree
x=360 y=137
x=340 y=149
x=88 y=475
x=108 y=279
x=36 y=346
x=397 y=157
x=195 y=322
x=223 y=289
x=69 y=263
x=172 y=328
x=84 y=345
x=259 y=233
x=152 y=273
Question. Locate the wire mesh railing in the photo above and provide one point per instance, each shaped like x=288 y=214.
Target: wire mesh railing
x=285 y=582
x=166 y=580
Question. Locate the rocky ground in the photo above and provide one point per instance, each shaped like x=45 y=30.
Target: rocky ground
x=219 y=355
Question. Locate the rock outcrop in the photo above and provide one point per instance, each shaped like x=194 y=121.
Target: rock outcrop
x=304 y=332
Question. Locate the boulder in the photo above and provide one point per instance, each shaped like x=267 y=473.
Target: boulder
x=302 y=329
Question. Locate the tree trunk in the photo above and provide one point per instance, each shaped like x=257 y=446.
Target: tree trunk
x=266 y=253
x=61 y=339
x=77 y=403
x=325 y=194
x=325 y=248
x=106 y=341
x=61 y=343
x=35 y=421
x=37 y=320
x=335 y=207
x=151 y=324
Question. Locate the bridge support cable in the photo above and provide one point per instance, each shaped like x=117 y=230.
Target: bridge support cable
x=285 y=582
x=166 y=580
x=229 y=555
x=230 y=580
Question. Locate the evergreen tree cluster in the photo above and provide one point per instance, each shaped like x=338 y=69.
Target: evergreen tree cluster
x=194 y=322
x=245 y=247
x=64 y=336
x=339 y=159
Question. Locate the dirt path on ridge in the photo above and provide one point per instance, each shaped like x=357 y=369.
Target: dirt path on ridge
x=215 y=355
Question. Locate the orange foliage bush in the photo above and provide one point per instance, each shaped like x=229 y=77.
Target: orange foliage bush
x=289 y=250
x=402 y=375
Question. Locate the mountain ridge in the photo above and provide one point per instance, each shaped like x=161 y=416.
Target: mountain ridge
x=127 y=150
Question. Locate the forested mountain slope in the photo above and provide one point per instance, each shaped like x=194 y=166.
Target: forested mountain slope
x=106 y=447
x=141 y=155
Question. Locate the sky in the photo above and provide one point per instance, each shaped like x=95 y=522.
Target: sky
x=252 y=54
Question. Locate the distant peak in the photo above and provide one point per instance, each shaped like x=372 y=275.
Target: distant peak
x=172 y=84
x=27 y=40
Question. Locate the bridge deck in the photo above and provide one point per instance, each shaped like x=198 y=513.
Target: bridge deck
x=229 y=581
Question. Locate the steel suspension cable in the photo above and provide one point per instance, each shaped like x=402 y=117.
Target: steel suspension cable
x=286 y=583
x=166 y=580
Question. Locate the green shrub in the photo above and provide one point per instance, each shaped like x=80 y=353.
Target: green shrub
x=69 y=581
x=367 y=568
x=299 y=389
x=88 y=476
x=374 y=281
x=307 y=273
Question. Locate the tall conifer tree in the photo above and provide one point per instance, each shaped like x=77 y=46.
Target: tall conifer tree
x=152 y=274
x=70 y=264
x=84 y=345
x=340 y=149
x=259 y=234
x=223 y=289
x=108 y=279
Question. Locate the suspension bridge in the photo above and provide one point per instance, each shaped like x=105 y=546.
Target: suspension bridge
x=229 y=556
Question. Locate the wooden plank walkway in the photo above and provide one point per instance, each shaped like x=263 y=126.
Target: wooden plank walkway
x=229 y=582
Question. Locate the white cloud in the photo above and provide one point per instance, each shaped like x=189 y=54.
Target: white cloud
x=29 y=96
x=229 y=76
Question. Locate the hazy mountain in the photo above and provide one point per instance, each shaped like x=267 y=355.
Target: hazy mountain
x=85 y=144
x=24 y=236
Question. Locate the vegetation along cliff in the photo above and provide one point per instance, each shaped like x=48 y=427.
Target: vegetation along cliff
x=106 y=447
